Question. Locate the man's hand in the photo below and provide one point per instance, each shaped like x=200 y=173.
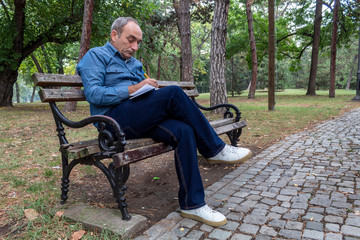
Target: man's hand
x=150 y=81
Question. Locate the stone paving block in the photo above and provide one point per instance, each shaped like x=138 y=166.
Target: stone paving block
x=333 y=236
x=291 y=216
x=290 y=234
x=334 y=219
x=331 y=227
x=249 y=228
x=194 y=234
x=268 y=231
x=350 y=231
x=206 y=228
x=103 y=218
x=353 y=221
x=255 y=219
x=316 y=209
x=313 y=217
x=180 y=231
x=279 y=210
x=239 y=236
x=235 y=216
x=220 y=234
x=231 y=226
x=314 y=226
x=294 y=225
x=312 y=234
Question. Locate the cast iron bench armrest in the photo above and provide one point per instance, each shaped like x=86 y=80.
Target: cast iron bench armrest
x=227 y=114
x=106 y=138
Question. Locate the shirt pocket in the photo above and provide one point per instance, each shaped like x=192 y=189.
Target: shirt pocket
x=114 y=76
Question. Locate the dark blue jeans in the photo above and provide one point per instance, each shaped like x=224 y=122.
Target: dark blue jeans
x=169 y=115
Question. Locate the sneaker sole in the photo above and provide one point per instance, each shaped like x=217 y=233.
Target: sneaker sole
x=241 y=160
x=200 y=219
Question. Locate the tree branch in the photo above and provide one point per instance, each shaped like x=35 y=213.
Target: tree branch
x=6 y=10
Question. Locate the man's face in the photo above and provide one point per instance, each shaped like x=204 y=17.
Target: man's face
x=128 y=43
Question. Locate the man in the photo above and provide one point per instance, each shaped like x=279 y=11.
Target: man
x=110 y=74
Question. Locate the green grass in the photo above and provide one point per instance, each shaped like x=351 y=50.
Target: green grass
x=30 y=159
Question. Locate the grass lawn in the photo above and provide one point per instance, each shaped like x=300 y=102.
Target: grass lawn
x=30 y=161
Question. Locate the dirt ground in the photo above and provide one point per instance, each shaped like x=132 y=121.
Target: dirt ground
x=152 y=186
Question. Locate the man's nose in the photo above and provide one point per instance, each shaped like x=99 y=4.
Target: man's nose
x=135 y=46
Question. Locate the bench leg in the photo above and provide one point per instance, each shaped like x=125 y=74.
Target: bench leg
x=234 y=136
x=65 y=179
x=120 y=176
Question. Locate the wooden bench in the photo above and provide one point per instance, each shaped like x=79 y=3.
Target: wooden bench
x=55 y=88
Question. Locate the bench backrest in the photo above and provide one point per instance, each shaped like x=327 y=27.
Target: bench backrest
x=52 y=90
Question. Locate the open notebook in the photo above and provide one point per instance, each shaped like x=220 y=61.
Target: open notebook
x=144 y=89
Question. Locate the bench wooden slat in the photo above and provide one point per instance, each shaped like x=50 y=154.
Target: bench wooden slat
x=51 y=80
x=192 y=93
x=84 y=148
x=137 y=154
x=61 y=95
x=221 y=122
x=230 y=127
x=183 y=85
x=65 y=95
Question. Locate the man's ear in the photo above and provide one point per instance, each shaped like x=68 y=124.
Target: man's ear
x=114 y=35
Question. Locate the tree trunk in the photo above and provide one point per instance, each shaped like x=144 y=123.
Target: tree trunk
x=232 y=76
x=218 y=92
x=315 y=49
x=182 y=9
x=333 y=50
x=17 y=92
x=159 y=61
x=271 y=83
x=8 y=78
x=253 y=49
x=33 y=94
x=351 y=72
x=84 y=43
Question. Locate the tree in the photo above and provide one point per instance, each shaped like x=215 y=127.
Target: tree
x=84 y=43
x=217 y=53
x=333 y=49
x=315 y=49
x=50 y=22
x=253 y=49
x=271 y=80
x=182 y=9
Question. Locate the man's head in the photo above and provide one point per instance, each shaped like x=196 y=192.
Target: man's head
x=126 y=36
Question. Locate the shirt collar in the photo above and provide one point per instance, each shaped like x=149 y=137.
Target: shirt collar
x=113 y=51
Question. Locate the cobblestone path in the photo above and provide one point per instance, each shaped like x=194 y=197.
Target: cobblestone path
x=305 y=187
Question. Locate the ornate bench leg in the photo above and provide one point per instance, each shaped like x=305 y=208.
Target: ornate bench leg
x=65 y=180
x=120 y=176
x=234 y=136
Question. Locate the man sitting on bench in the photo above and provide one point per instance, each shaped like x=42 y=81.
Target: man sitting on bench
x=110 y=74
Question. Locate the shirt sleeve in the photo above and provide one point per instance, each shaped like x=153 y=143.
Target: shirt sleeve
x=92 y=70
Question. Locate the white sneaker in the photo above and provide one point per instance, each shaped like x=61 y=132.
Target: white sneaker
x=206 y=215
x=231 y=154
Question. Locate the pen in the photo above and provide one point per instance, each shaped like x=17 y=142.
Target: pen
x=146 y=75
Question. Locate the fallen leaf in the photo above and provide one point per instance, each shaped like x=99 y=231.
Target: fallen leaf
x=312 y=219
x=295 y=185
x=182 y=229
x=59 y=213
x=31 y=214
x=357 y=212
x=77 y=235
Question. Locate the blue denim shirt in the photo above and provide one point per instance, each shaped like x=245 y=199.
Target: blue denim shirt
x=106 y=77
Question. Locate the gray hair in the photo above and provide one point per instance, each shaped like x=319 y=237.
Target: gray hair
x=119 y=24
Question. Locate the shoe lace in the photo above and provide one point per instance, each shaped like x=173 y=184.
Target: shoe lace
x=231 y=149
x=208 y=209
